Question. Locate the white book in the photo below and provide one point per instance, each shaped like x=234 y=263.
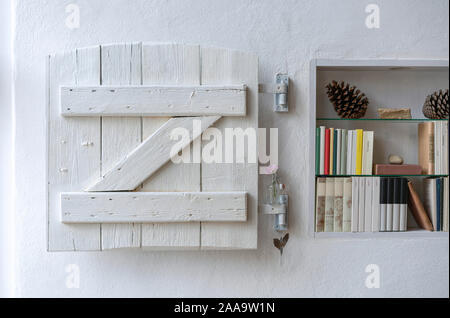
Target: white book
x=383 y=204
x=329 y=205
x=355 y=204
x=396 y=205
x=322 y=151
x=429 y=201
x=445 y=147
x=349 y=152
x=348 y=204
x=344 y=152
x=404 y=205
x=368 y=205
x=437 y=148
x=354 y=143
x=390 y=205
x=376 y=205
x=362 y=204
x=338 y=150
x=367 y=159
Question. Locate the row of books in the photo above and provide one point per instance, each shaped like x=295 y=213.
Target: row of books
x=379 y=204
x=433 y=147
x=344 y=152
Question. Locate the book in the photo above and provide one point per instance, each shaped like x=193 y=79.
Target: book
x=426 y=147
x=438 y=204
x=429 y=201
x=355 y=204
x=417 y=209
x=367 y=157
x=349 y=152
x=446 y=205
x=387 y=169
x=355 y=143
x=383 y=203
x=359 y=151
x=322 y=151
x=403 y=205
x=362 y=204
x=335 y=151
x=329 y=205
x=445 y=147
x=317 y=151
x=396 y=205
x=338 y=203
x=331 y=150
x=437 y=147
x=327 y=152
x=347 y=205
x=390 y=204
x=368 y=205
x=320 y=204
x=376 y=205
x=344 y=152
x=338 y=150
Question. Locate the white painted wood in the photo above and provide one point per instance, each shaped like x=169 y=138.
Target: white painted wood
x=170 y=64
x=121 y=65
x=151 y=155
x=153 y=100
x=153 y=207
x=73 y=149
x=227 y=67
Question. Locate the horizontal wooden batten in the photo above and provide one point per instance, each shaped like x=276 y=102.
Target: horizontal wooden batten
x=153 y=207
x=153 y=100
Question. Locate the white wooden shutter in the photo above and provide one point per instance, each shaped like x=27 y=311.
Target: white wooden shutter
x=101 y=150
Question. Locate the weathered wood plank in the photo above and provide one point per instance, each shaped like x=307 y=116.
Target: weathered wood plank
x=151 y=155
x=121 y=65
x=153 y=207
x=227 y=67
x=153 y=101
x=73 y=149
x=171 y=64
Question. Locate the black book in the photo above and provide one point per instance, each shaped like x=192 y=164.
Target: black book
x=383 y=203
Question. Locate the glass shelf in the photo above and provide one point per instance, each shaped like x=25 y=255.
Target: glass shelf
x=415 y=120
x=384 y=176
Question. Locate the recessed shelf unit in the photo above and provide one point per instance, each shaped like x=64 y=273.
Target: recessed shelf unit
x=387 y=83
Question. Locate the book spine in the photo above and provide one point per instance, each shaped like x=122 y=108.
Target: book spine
x=367 y=153
x=344 y=152
x=355 y=145
x=335 y=151
x=396 y=205
x=338 y=151
x=320 y=204
x=438 y=204
x=338 y=204
x=329 y=205
x=376 y=205
x=331 y=150
x=322 y=151
x=347 y=205
x=404 y=205
x=317 y=151
x=327 y=152
x=426 y=147
x=383 y=204
x=349 y=152
x=437 y=147
x=390 y=204
x=355 y=204
x=445 y=147
x=359 y=146
x=362 y=204
x=446 y=205
x=368 y=205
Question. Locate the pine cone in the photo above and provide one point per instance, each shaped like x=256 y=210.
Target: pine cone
x=436 y=105
x=348 y=101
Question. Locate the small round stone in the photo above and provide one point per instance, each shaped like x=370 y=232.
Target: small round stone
x=395 y=160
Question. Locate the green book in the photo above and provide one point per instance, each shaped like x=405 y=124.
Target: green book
x=317 y=151
x=335 y=152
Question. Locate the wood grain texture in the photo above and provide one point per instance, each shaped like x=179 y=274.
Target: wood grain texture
x=227 y=67
x=152 y=154
x=153 y=207
x=121 y=65
x=153 y=100
x=171 y=64
x=73 y=149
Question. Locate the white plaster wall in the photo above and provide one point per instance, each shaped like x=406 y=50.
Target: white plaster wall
x=286 y=34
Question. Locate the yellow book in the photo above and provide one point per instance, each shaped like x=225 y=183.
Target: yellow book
x=359 y=151
x=331 y=149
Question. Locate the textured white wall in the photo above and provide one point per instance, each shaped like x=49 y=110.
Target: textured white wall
x=286 y=34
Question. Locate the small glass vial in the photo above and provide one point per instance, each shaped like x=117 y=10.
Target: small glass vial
x=281 y=221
